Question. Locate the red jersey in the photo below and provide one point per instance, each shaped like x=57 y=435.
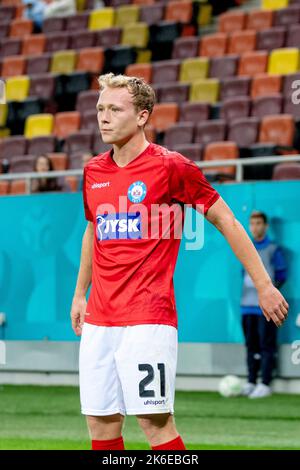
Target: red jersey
x=136 y=244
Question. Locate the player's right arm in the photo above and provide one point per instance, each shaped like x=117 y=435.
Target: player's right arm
x=84 y=279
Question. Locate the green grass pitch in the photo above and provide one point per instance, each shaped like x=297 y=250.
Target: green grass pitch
x=42 y=418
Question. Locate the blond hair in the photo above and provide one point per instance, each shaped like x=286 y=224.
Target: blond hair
x=143 y=95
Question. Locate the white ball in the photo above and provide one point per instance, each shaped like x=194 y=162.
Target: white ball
x=230 y=386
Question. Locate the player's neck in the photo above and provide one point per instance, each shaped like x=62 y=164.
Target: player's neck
x=124 y=154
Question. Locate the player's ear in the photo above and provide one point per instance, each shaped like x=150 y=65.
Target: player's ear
x=143 y=117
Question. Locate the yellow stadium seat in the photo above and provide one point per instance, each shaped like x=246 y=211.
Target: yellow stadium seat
x=38 y=125
x=283 y=61
x=136 y=35
x=5 y=132
x=143 y=56
x=126 y=15
x=3 y=114
x=205 y=90
x=204 y=15
x=17 y=88
x=63 y=62
x=101 y=19
x=194 y=69
x=274 y=4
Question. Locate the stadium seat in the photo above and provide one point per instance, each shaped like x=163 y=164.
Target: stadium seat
x=293 y=36
x=57 y=41
x=63 y=62
x=204 y=14
x=59 y=160
x=3 y=114
x=287 y=16
x=162 y=37
x=89 y=120
x=101 y=19
x=243 y=131
x=10 y=46
x=265 y=84
x=221 y=151
x=165 y=71
x=143 y=2
x=7 y=13
x=152 y=14
x=163 y=116
x=77 y=22
x=274 y=4
x=34 y=44
x=259 y=20
x=108 y=37
x=194 y=112
x=283 y=61
x=213 y=45
x=279 y=130
x=172 y=92
x=38 y=125
x=4 y=29
x=210 y=131
x=222 y=67
x=38 y=64
x=54 y=24
x=232 y=21
x=90 y=60
x=82 y=39
x=194 y=69
x=14 y=145
x=66 y=123
x=4 y=187
x=286 y=171
x=179 y=133
x=118 y=57
x=80 y=141
x=205 y=90
x=18 y=187
x=178 y=10
x=72 y=182
x=136 y=35
x=266 y=105
x=140 y=70
x=288 y=80
x=17 y=88
x=242 y=41
x=126 y=14
x=19 y=28
x=252 y=63
x=185 y=47
x=291 y=108
x=41 y=145
x=269 y=39
x=13 y=66
x=22 y=164
x=191 y=151
x=235 y=86
x=19 y=111
x=87 y=100
x=236 y=107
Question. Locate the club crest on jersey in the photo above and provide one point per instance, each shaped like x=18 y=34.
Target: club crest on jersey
x=137 y=191
x=120 y=226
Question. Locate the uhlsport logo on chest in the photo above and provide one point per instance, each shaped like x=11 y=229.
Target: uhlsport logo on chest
x=119 y=226
x=137 y=192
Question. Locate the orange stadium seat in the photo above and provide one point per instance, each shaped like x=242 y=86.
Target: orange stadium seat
x=59 y=161
x=140 y=70
x=179 y=10
x=66 y=123
x=213 y=45
x=242 y=41
x=221 y=151
x=90 y=59
x=20 y=28
x=4 y=187
x=34 y=44
x=18 y=187
x=72 y=182
x=163 y=116
x=265 y=85
x=253 y=63
x=143 y=2
x=260 y=19
x=232 y=21
x=13 y=66
x=279 y=130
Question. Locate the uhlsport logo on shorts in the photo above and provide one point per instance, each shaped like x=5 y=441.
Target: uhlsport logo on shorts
x=137 y=191
x=120 y=226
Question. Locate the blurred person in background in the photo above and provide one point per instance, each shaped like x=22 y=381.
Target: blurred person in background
x=35 y=11
x=39 y=185
x=60 y=8
x=260 y=334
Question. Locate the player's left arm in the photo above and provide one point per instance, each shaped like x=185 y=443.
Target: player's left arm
x=272 y=303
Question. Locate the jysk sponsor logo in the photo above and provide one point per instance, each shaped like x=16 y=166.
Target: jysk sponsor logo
x=137 y=192
x=120 y=226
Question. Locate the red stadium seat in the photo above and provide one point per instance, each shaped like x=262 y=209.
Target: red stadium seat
x=221 y=151
x=163 y=116
x=66 y=123
x=279 y=130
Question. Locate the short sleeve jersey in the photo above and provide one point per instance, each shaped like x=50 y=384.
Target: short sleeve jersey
x=137 y=213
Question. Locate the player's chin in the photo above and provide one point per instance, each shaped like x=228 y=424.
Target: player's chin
x=107 y=138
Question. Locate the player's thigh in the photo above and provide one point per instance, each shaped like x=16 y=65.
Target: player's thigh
x=146 y=363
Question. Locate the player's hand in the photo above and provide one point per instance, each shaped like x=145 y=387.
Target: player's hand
x=273 y=304
x=78 y=310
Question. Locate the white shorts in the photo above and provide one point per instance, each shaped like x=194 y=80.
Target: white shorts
x=127 y=369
